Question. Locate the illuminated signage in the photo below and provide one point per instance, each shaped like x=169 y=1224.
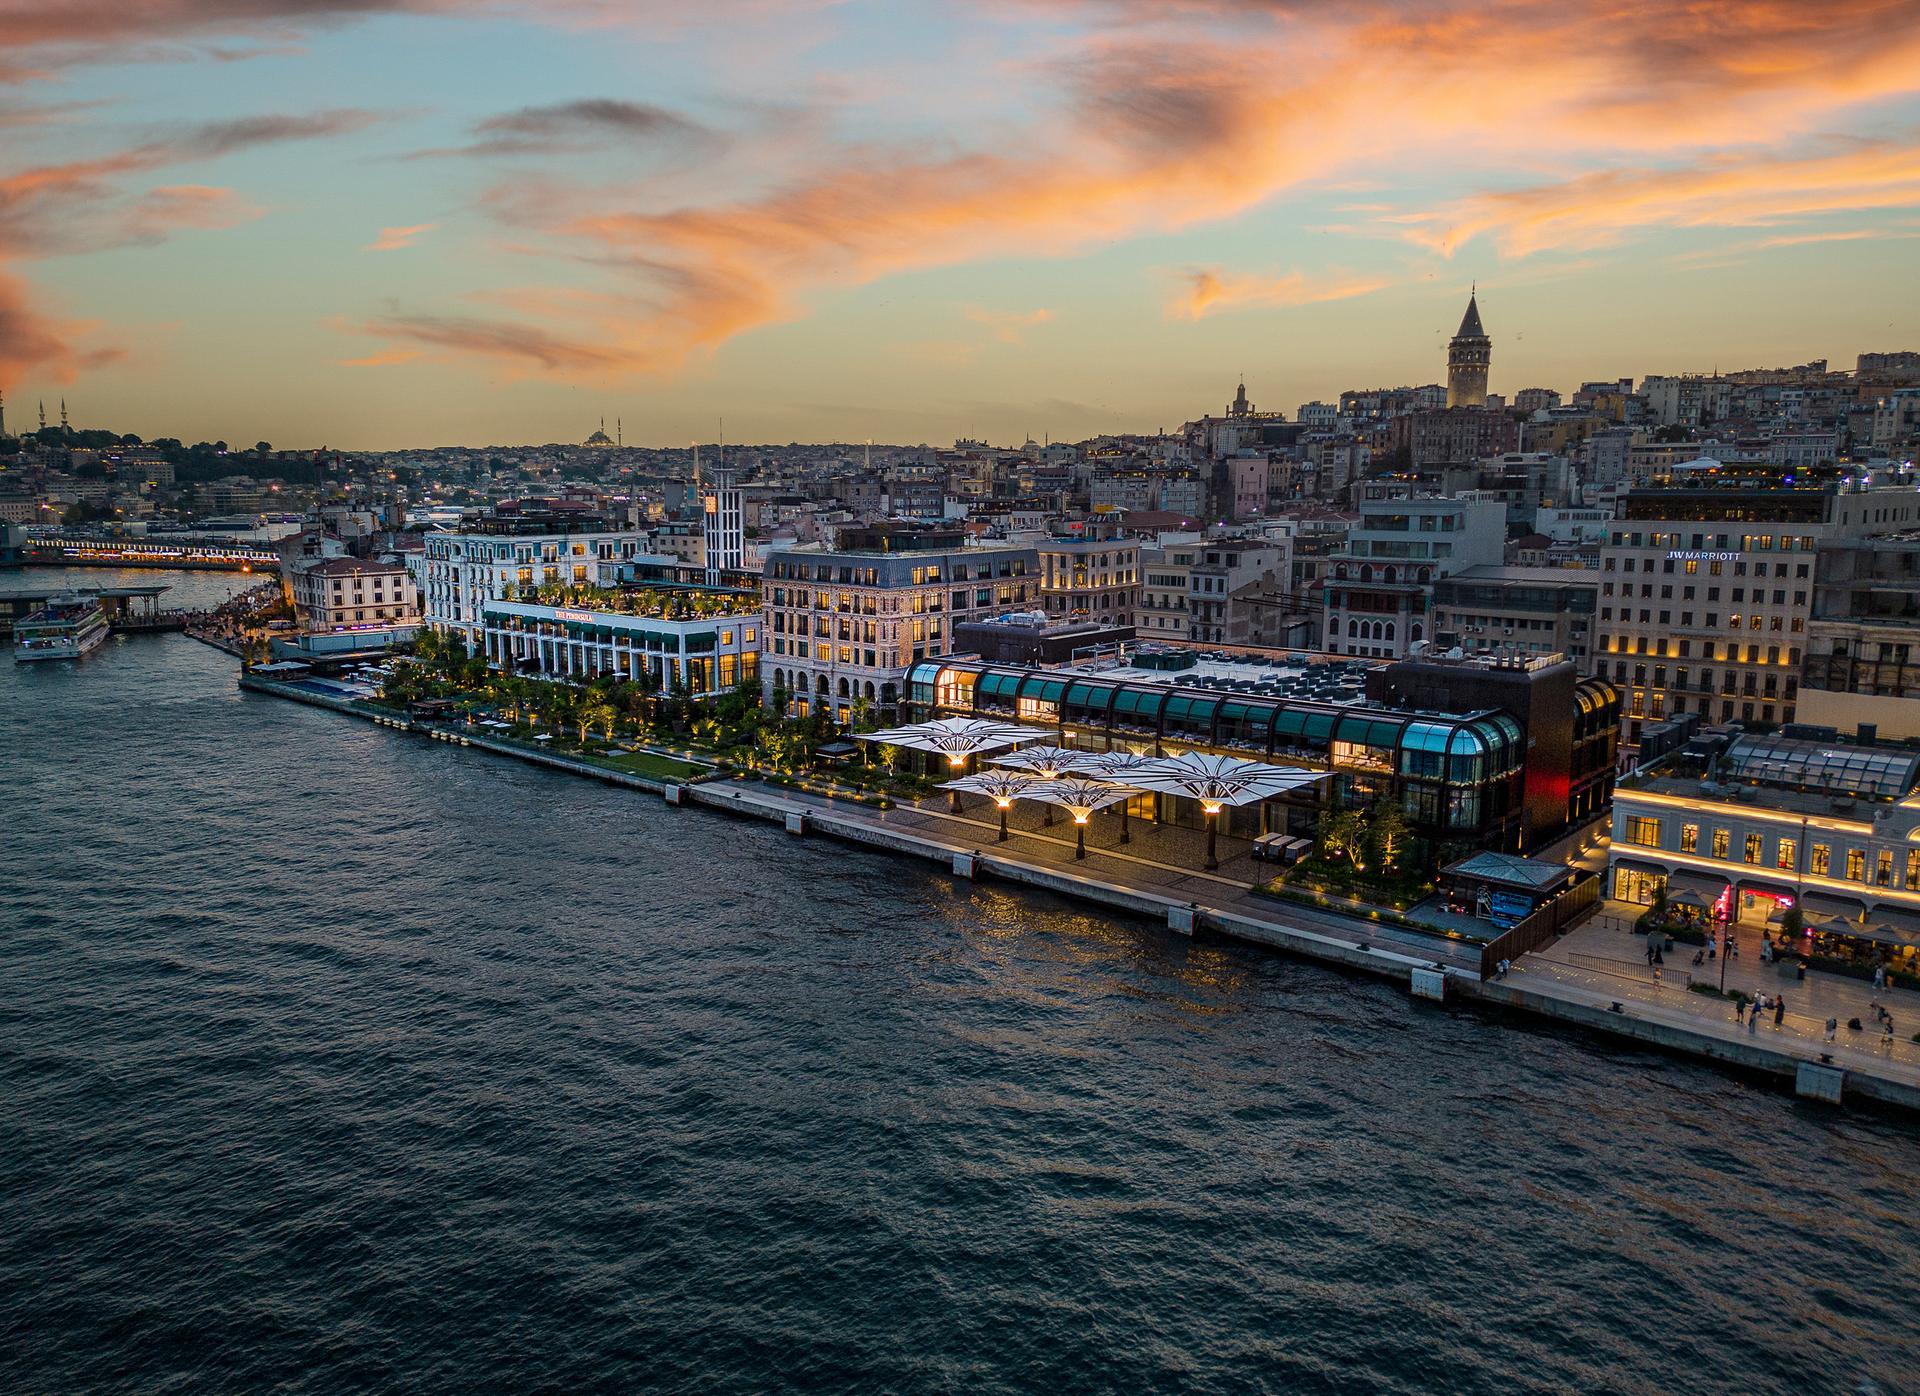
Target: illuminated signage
x=1695 y=556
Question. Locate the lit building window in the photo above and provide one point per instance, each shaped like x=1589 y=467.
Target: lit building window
x=1643 y=831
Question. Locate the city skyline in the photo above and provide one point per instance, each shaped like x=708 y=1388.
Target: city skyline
x=408 y=225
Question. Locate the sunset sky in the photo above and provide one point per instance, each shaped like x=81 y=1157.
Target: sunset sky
x=372 y=223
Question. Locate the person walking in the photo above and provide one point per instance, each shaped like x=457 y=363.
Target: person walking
x=1886 y=1032
x=1833 y=1026
x=1779 y=1010
x=1753 y=1018
x=1879 y=976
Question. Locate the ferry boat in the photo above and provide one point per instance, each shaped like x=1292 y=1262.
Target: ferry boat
x=66 y=627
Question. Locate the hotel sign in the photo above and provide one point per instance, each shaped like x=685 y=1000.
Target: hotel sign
x=1697 y=556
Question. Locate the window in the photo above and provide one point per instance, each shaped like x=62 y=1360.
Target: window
x=1820 y=858
x=1787 y=857
x=1721 y=842
x=1856 y=865
x=1689 y=838
x=1644 y=832
x=1883 y=867
x=1753 y=849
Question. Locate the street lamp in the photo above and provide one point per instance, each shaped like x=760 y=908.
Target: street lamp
x=1212 y=810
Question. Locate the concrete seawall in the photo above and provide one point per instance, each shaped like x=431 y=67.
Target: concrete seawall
x=1354 y=952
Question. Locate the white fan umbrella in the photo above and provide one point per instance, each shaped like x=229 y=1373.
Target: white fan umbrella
x=1219 y=781
x=1043 y=763
x=1118 y=767
x=1081 y=798
x=956 y=738
x=1003 y=786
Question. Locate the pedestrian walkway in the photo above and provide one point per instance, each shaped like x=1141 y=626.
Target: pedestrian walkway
x=1162 y=859
x=1605 y=956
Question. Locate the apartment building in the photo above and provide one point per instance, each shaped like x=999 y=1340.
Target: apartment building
x=1862 y=664
x=1219 y=591
x=1706 y=590
x=1090 y=579
x=1518 y=611
x=1379 y=589
x=844 y=624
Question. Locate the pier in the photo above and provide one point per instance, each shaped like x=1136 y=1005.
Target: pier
x=134 y=610
x=1167 y=887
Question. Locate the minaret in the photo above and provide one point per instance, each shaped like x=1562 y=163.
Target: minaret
x=64 y=428
x=3 y=413
x=43 y=414
x=619 y=432
x=1468 y=354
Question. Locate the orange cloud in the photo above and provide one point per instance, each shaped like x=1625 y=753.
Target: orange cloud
x=1207 y=289
x=382 y=359
x=30 y=340
x=1170 y=122
x=1008 y=326
x=393 y=239
x=1596 y=210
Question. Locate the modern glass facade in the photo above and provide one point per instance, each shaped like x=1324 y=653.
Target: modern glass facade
x=1457 y=777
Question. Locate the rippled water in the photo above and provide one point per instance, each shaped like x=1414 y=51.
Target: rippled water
x=332 y=1059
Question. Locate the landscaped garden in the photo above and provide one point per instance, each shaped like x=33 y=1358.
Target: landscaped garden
x=632 y=725
x=1360 y=856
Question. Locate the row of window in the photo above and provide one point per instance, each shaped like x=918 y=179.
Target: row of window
x=1690 y=567
x=1646 y=831
x=1749 y=542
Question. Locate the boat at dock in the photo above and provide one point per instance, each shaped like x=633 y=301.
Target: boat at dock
x=67 y=626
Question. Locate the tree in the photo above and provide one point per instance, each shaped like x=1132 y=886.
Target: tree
x=593 y=713
x=261 y=448
x=1343 y=834
x=1389 y=832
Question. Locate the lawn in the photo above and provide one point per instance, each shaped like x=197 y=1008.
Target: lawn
x=646 y=763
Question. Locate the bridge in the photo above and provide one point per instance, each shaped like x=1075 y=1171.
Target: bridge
x=174 y=555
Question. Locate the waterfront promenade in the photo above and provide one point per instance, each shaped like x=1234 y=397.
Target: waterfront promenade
x=1158 y=876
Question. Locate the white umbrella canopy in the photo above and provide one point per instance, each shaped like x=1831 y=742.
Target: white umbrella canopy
x=1080 y=796
x=1219 y=781
x=1003 y=786
x=1216 y=781
x=956 y=736
x=1114 y=765
x=1046 y=762
x=1083 y=797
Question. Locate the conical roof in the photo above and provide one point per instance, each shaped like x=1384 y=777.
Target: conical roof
x=1470 y=322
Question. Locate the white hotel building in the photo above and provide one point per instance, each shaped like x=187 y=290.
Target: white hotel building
x=702 y=655
x=462 y=569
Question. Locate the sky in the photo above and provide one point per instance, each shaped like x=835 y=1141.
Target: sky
x=392 y=223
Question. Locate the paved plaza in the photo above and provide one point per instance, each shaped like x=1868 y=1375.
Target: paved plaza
x=1606 y=957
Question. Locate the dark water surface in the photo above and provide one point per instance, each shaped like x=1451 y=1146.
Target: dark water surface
x=336 y=1060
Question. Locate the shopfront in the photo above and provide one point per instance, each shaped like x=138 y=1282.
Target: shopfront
x=1636 y=882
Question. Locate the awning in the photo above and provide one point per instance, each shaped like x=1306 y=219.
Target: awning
x=1908 y=921
x=1639 y=865
x=1768 y=889
x=1834 y=905
x=1877 y=932
x=1706 y=884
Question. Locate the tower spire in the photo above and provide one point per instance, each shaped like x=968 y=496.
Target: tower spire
x=63 y=415
x=43 y=414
